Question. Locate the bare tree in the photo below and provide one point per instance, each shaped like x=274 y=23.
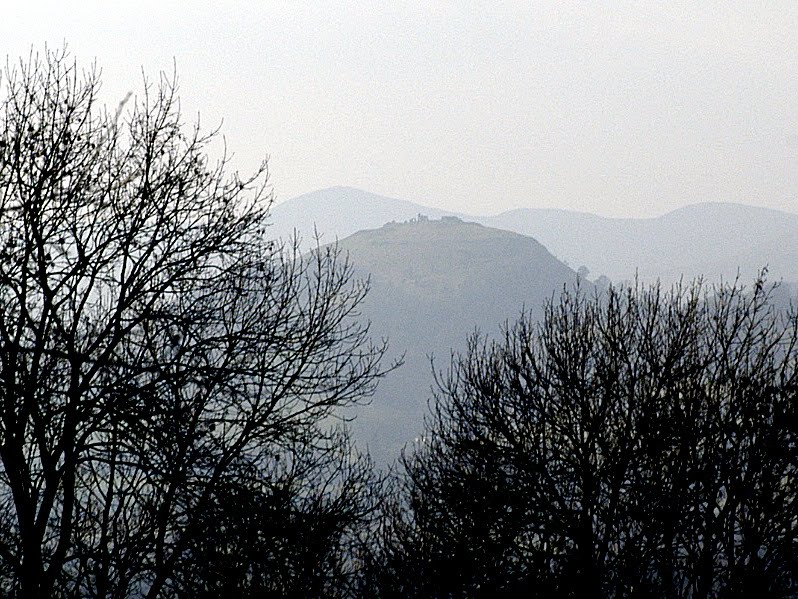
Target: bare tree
x=161 y=364
x=637 y=443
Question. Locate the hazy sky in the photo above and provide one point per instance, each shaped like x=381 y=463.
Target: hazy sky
x=620 y=108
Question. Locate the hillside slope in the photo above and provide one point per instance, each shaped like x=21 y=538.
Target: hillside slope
x=432 y=283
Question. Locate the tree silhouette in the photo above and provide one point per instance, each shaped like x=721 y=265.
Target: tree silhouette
x=168 y=379
x=635 y=443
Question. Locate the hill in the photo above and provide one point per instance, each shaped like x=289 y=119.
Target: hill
x=432 y=283
x=709 y=239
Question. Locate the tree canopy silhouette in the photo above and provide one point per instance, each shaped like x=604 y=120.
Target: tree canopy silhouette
x=635 y=443
x=168 y=378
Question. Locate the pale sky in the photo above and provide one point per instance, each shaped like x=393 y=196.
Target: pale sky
x=622 y=108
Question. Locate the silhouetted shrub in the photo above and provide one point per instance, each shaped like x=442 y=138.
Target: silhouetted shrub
x=168 y=377
x=636 y=443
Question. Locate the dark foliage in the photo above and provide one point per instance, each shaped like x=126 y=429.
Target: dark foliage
x=169 y=380
x=640 y=443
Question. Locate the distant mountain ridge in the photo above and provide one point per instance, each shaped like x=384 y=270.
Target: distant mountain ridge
x=712 y=240
x=709 y=239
